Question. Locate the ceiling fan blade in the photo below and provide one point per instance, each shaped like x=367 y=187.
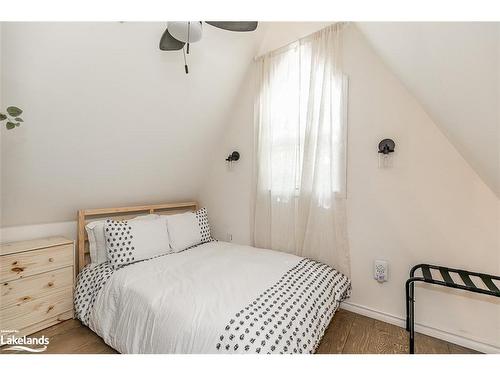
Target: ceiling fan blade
x=169 y=43
x=234 y=25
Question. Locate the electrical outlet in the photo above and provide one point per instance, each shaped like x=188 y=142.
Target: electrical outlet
x=380 y=270
x=229 y=237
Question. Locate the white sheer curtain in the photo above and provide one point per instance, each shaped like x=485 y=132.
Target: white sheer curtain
x=301 y=150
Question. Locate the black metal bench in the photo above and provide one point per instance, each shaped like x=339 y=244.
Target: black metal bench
x=447 y=281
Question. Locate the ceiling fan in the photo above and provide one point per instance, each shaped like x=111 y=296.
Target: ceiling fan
x=181 y=34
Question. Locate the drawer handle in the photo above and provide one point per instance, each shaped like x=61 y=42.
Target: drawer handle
x=17 y=269
x=27 y=298
x=50 y=308
x=51 y=260
x=50 y=284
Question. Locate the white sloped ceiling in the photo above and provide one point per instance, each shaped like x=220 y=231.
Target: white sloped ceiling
x=453 y=70
x=110 y=119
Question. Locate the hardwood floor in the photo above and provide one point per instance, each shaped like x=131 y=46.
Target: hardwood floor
x=348 y=333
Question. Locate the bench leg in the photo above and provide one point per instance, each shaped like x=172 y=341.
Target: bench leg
x=407 y=309
x=410 y=313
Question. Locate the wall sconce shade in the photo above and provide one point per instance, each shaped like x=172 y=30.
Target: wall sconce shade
x=234 y=156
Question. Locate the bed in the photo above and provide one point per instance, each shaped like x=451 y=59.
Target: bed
x=216 y=297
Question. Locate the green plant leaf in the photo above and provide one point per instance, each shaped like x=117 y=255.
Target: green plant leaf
x=10 y=125
x=3 y=117
x=14 y=111
x=19 y=119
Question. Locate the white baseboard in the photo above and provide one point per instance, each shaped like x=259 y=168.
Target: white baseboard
x=426 y=330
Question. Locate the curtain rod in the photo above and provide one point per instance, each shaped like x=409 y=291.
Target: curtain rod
x=284 y=47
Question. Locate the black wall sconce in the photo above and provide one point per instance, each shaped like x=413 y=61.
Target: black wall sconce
x=385 y=149
x=234 y=156
x=386 y=146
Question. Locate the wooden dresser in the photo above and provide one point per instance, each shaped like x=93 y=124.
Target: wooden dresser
x=36 y=284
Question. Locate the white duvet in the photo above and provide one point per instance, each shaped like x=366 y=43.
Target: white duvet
x=218 y=298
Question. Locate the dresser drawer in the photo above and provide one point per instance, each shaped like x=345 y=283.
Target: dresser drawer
x=19 y=265
x=23 y=315
x=24 y=290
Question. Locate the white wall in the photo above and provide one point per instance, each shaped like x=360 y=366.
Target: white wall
x=110 y=119
x=430 y=207
x=453 y=70
x=228 y=190
x=279 y=34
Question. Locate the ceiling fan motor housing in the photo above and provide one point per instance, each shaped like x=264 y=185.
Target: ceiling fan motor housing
x=186 y=31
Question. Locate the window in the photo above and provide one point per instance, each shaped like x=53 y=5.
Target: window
x=300 y=160
x=300 y=117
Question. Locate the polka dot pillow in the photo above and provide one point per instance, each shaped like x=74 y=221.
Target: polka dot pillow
x=188 y=229
x=131 y=241
x=204 y=225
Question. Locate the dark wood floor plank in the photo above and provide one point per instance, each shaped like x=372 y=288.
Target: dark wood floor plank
x=358 y=341
x=388 y=339
x=96 y=348
x=335 y=337
x=72 y=340
x=457 y=349
x=339 y=331
x=429 y=345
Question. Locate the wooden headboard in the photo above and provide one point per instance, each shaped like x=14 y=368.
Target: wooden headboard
x=121 y=213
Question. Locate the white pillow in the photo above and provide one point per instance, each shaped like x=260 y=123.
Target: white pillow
x=129 y=241
x=97 y=242
x=188 y=229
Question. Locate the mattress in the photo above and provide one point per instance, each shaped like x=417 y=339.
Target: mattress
x=217 y=297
